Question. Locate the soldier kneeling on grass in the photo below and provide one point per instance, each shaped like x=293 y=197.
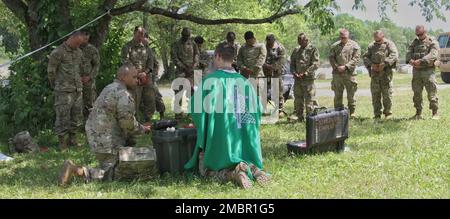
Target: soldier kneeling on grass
x=111 y=125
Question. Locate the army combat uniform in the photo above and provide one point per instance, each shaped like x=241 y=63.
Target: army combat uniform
x=111 y=124
x=306 y=61
x=273 y=67
x=424 y=76
x=142 y=57
x=64 y=68
x=90 y=67
x=253 y=58
x=347 y=55
x=386 y=55
x=185 y=56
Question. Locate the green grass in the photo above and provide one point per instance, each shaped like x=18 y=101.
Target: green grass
x=388 y=159
x=400 y=80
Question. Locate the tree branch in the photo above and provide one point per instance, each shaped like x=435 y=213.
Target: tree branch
x=203 y=21
x=136 y=6
x=281 y=6
x=102 y=28
x=139 y=6
x=18 y=8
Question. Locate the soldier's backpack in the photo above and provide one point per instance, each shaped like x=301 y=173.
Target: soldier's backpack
x=326 y=130
x=22 y=142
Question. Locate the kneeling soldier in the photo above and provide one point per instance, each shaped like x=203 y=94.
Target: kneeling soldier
x=111 y=124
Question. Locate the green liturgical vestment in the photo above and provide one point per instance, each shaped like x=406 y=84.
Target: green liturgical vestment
x=227 y=113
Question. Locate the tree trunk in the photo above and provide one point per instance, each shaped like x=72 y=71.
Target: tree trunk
x=102 y=28
x=35 y=38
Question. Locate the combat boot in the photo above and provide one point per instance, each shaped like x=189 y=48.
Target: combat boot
x=435 y=115
x=296 y=118
x=352 y=115
x=388 y=116
x=72 y=140
x=418 y=115
x=161 y=115
x=281 y=113
x=68 y=170
x=62 y=142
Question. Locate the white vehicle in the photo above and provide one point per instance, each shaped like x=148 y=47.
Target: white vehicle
x=444 y=53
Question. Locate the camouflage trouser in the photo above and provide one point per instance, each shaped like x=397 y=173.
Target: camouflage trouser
x=222 y=175
x=105 y=170
x=89 y=96
x=68 y=108
x=304 y=94
x=425 y=78
x=159 y=102
x=381 y=88
x=260 y=86
x=339 y=84
x=227 y=174
x=276 y=74
x=146 y=95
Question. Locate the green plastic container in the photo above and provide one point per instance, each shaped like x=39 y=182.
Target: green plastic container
x=174 y=149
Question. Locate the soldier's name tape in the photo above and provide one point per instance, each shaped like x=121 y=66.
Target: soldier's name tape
x=49 y=44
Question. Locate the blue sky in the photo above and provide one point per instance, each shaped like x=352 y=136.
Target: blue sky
x=406 y=15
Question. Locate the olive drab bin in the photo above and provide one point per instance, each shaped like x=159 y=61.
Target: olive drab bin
x=326 y=130
x=174 y=148
x=136 y=162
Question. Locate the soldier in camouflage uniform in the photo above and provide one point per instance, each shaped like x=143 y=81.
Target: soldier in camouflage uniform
x=273 y=67
x=231 y=41
x=90 y=67
x=111 y=124
x=185 y=56
x=203 y=58
x=422 y=55
x=142 y=57
x=304 y=63
x=381 y=57
x=251 y=58
x=64 y=69
x=344 y=57
x=159 y=102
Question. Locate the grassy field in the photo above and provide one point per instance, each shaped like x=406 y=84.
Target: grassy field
x=398 y=158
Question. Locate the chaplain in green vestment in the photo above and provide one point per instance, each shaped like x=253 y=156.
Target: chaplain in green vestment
x=226 y=112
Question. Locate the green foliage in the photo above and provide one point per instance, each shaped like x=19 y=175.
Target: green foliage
x=110 y=54
x=27 y=103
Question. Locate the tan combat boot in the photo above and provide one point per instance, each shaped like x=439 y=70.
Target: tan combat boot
x=68 y=170
x=418 y=115
x=435 y=115
x=388 y=116
x=62 y=142
x=295 y=118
